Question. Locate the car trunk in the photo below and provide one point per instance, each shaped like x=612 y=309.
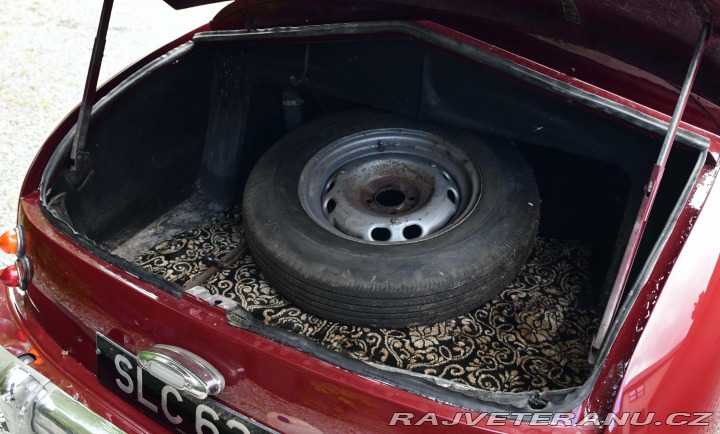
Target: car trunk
x=170 y=150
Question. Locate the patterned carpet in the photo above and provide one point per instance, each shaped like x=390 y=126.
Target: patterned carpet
x=531 y=337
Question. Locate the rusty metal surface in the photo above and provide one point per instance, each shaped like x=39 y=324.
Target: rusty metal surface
x=389 y=185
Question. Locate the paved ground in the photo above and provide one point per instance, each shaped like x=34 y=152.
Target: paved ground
x=44 y=54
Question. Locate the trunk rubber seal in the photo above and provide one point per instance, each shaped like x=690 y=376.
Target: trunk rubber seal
x=553 y=401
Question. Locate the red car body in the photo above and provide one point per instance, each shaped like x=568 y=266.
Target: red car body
x=662 y=361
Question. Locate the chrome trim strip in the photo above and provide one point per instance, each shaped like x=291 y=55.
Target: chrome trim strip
x=182 y=369
x=30 y=403
x=21 y=241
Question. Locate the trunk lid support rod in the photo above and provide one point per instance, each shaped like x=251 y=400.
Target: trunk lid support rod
x=81 y=164
x=650 y=192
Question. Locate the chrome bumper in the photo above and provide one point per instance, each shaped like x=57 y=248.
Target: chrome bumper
x=30 y=403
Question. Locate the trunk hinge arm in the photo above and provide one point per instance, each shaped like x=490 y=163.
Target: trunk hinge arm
x=649 y=194
x=80 y=158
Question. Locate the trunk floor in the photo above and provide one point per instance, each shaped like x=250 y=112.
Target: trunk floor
x=531 y=337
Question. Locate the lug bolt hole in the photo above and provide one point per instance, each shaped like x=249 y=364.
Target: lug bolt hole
x=330 y=207
x=412 y=232
x=381 y=234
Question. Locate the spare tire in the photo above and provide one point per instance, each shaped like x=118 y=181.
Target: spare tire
x=378 y=219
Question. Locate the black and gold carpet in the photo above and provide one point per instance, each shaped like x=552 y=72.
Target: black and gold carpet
x=531 y=337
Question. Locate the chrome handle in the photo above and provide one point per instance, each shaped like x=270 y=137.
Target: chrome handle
x=182 y=369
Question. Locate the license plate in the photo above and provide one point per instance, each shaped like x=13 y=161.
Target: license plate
x=118 y=370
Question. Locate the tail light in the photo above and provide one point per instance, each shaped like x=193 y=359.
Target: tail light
x=10 y=276
x=12 y=242
x=18 y=275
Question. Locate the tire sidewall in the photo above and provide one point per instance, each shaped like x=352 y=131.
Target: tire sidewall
x=493 y=233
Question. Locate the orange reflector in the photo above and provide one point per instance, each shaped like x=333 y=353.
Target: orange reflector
x=9 y=242
x=10 y=276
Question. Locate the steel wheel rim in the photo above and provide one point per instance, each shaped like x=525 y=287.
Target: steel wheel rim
x=390 y=186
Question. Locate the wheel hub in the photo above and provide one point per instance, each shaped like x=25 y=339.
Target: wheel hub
x=388 y=186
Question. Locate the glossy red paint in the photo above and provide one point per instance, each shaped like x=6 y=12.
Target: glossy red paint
x=274 y=378
x=74 y=294
x=20 y=333
x=262 y=376
x=674 y=367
